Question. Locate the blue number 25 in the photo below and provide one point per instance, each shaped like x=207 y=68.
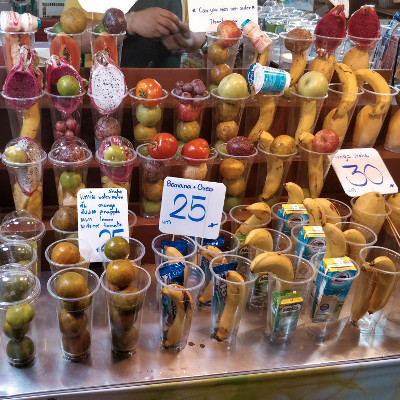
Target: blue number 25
x=193 y=206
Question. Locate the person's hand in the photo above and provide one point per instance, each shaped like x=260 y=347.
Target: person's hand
x=184 y=40
x=152 y=22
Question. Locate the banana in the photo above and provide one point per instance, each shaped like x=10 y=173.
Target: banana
x=356 y=58
x=367 y=127
x=335 y=241
x=267 y=110
x=260 y=238
x=323 y=65
x=261 y=58
x=394 y=202
x=30 y=122
x=353 y=239
x=183 y=317
x=306 y=140
x=392 y=141
x=295 y=193
x=316 y=214
x=337 y=123
x=234 y=305
x=363 y=293
x=261 y=215
x=349 y=88
x=379 y=85
x=299 y=62
x=275 y=263
x=172 y=252
x=308 y=113
x=315 y=169
x=209 y=252
x=332 y=213
x=265 y=139
x=273 y=178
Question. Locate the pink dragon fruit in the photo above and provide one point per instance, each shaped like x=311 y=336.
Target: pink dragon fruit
x=117 y=171
x=24 y=81
x=107 y=85
x=56 y=68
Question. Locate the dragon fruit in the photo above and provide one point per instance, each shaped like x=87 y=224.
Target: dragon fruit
x=331 y=25
x=56 y=68
x=364 y=24
x=107 y=85
x=24 y=81
x=117 y=171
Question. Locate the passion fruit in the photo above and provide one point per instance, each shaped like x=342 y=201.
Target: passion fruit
x=116 y=248
x=65 y=253
x=66 y=219
x=121 y=273
x=72 y=324
x=19 y=315
x=71 y=285
x=127 y=300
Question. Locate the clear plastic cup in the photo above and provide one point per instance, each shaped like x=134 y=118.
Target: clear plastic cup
x=107 y=41
x=116 y=174
x=177 y=303
x=132 y=220
x=60 y=234
x=285 y=225
x=198 y=169
x=324 y=46
x=21 y=253
x=376 y=283
x=85 y=252
x=293 y=47
x=74 y=314
x=70 y=176
x=229 y=298
x=235 y=176
x=344 y=212
x=392 y=142
x=226 y=116
x=19 y=289
x=281 y=244
x=227 y=243
x=388 y=234
x=152 y=173
x=24 y=226
x=24 y=115
x=147 y=116
x=287 y=300
x=271 y=175
x=124 y=311
x=365 y=49
x=306 y=250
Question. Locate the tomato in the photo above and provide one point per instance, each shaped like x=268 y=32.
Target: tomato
x=196 y=149
x=163 y=145
x=149 y=89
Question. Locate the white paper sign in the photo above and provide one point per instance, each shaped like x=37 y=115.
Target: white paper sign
x=361 y=171
x=345 y=3
x=102 y=214
x=204 y=16
x=101 y=6
x=191 y=207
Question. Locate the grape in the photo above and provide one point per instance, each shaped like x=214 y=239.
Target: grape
x=197 y=81
x=179 y=84
x=71 y=124
x=199 y=88
x=58 y=134
x=178 y=92
x=60 y=126
x=187 y=87
x=77 y=129
x=186 y=95
x=69 y=134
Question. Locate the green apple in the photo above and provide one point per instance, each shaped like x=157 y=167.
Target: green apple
x=148 y=116
x=15 y=154
x=151 y=207
x=230 y=202
x=70 y=180
x=143 y=134
x=115 y=153
x=187 y=131
x=227 y=111
x=312 y=84
x=233 y=86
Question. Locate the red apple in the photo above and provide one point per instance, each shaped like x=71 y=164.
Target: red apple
x=188 y=112
x=229 y=31
x=326 y=141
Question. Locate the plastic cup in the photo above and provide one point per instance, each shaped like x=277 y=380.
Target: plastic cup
x=388 y=235
x=60 y=234
x=110 y=41
x=229 y=298
x=312 y=170
x=366 y=48
x=124 y=311
x=353 y=249
x=344 y=212
x=226 y=117
x=66 y=115
x=366 y=130
x=271 y=175
x=24 y=226
x=147 y=116
x=188 y=116
x=332 y=120
x=75 y=315
x=71 y=176
x=116 y=174
x=383 y=285
x=285 y=225
x=132 y=220
x=21 y=253
x=287 y=300
x=234 y=177
x=298 y=45
x=306 y=250
x=177 y=305
x=84 y=250
x=198 y=169
x=19 y=289
x=370 y=220
x=324 y=46
x=281 y=244
x=24 y=116
x=392 y=142
x=152 y=173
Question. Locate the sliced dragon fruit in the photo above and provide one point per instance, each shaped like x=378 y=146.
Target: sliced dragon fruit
x=24 y=81
x=107 y=85
x=123 y=171
x=56 y=68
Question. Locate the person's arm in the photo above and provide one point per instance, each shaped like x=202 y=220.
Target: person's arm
x=185 y=40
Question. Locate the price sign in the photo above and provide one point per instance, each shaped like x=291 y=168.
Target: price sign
x=361 y=171
x=191 y=207
x=205 y=15
x=102 y=214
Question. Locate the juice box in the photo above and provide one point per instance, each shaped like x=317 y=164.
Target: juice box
x=314 y=238
x=292 y=215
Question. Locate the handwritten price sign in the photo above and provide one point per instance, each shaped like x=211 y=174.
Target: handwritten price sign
x=191 y=207
x=102 y=214
x=361 y=171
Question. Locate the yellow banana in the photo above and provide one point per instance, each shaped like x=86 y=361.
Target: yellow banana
x=265 y=139
x=337 y=123
x=261 y=58
x=335 y=241
x=323 y=65
x=273 y=178
x=234 y=305
x=353 y=239
x=209 y=252
x=30 y=122
x=267 y=110
x=332 y=213
x=261 y=215
x=349 y=88
x=367 y=127
x=275 y=263
x=315 y=174
x=363 y=293
x=392 y=141
x=316 y=214
x=295 y=193
x=356 y=58
x=306 y=140
x=183 y=317
x=299 y=62
x=308 y=113
x=260 y=238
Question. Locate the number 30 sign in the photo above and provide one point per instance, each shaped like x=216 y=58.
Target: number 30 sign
x=361 y=171
x=191 y=207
